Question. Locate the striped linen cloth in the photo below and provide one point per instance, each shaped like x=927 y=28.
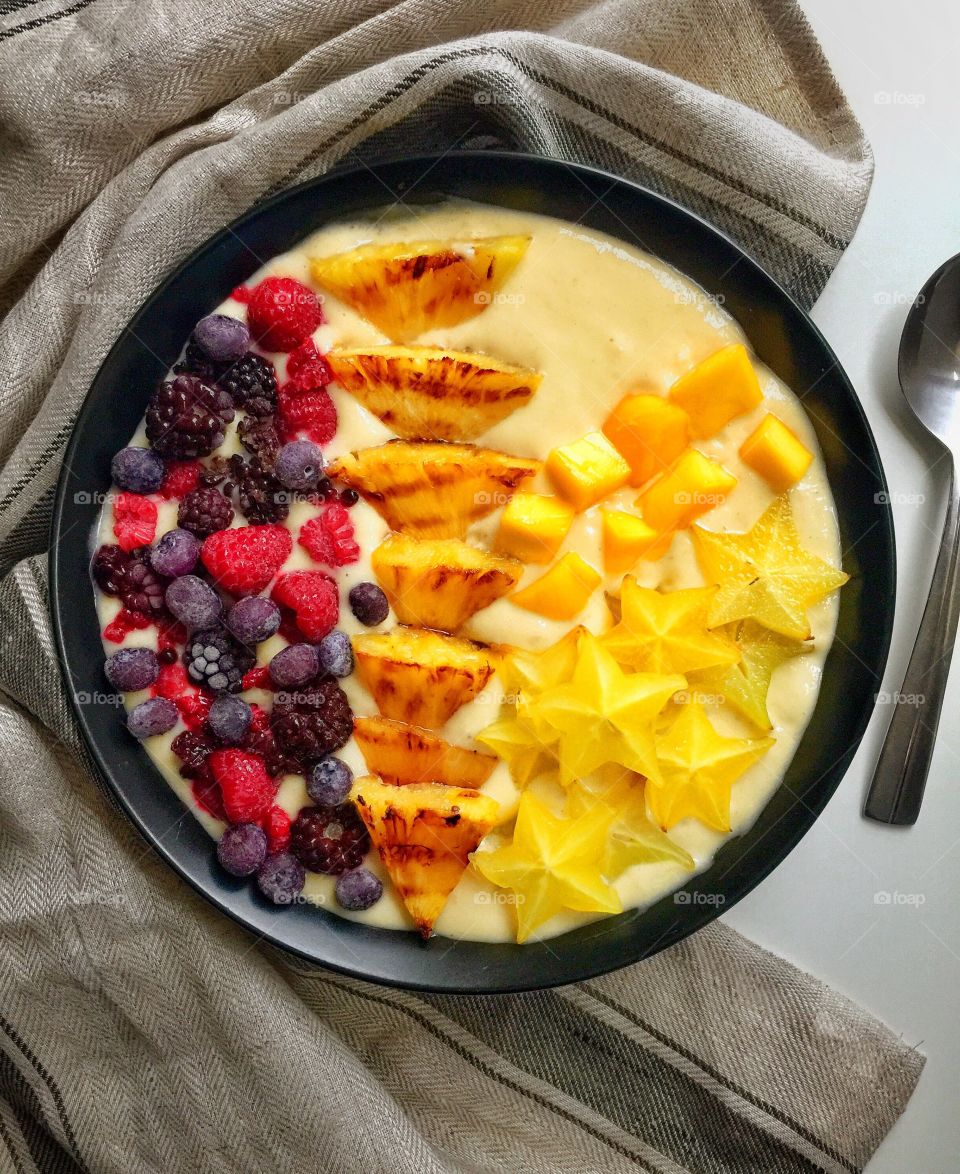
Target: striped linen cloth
x=141 y=1031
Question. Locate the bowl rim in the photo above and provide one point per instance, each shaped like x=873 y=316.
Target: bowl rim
x=515 y=976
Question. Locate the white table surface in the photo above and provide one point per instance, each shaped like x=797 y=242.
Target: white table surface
x=897 y=65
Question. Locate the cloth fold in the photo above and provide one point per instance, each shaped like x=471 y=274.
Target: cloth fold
x=140 y=1029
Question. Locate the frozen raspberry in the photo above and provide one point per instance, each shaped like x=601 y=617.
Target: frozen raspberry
x=214 y=659
x=176 y=553
x=294 y=665
x=244 y=560
x=358 y=889
x=124 y=622
x=186 y=417
x=153 y=717
x=242 y=849
x=139 y=470
x=258 y=678
x=131 y=669
x=252 y=384
x=207 y=795
x=222 y=338
x=314 y=599
x=282 y=312
x=180 y=478
x=134 y=520
x=336 y=654
x=254 y=619
x=172 y=681
x=309 y=413
x=260 y=495
x=329 y=781
x=312 y=722
x=328 y=538
x=204 y=511
x=193 y=602
x=307 y=369
x=241 y=294
x=281 y=878
x=329 y=839
x=299 y=465
x=369 y=604
x=246 y=787
x=229 y=719
x=276 y=823
x=261 y=437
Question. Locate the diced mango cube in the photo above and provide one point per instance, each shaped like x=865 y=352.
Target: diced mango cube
x=533 y=526
x=776 y=453
x=585 y=471
x=650 y=431
x=693 y=486
x=563 y=591
x=627 y=538
x=721 y=387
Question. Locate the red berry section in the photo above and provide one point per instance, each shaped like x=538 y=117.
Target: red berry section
x=329 y=538
x=257 y=678
x=245 y=786
x=276 y=823
x=134 y=520
x=173 y=683
x=125 y=621
x=307 y=414
x=307 y=369
x=181 y=478
x=313 y=598
x=244 y=559
x=282 y=313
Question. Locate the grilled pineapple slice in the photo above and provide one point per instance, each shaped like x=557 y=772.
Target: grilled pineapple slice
x=421 y=677
x=429 y=393
x=424 y=833
x=405 y=289
x=440 y=582
x=432 y=490
x=401 y=754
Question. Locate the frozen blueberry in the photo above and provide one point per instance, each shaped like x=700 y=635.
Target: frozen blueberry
x=229 y=718
x=242 y=849
x=299 y=465
x=281 y=878
x=132 y=668
x=294 y=665
x=253 y=619
x=221 y=337
x=358 y=889
x=336 y=654
x=193 y=602
x=369 y=604
x=328 y=782
x=175 y=554
x=152 y=717
x=138 y=469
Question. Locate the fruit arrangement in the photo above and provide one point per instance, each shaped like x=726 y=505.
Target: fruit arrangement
x=293 y=618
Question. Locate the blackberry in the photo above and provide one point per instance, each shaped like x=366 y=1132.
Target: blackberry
x=204 y=511
x=312 y=722
x=264 y=743
x=186 y=417
x=329 y=839
x=193 y=750
x=252 y=384
x=260 y=495
x=131 y=578
x=197 y=362
x=261 y=437
x=214 y=659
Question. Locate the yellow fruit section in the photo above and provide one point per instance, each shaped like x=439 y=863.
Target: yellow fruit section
x=693 y=486
x=427 y=393
x=424 y=834
x=721 y=387
x=650 y=432
x=627 y=538
x=533 y=526
x=413 y=286
x=587 y=470
x=776 y=453
x=563 y=591
x=440 y=582
x=400 y=754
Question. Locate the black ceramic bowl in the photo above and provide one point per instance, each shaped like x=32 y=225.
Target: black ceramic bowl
x=784 y=338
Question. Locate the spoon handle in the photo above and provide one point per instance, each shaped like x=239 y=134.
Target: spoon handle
x=897 y=788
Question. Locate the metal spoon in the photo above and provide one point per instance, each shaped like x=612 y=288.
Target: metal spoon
x=929 y=368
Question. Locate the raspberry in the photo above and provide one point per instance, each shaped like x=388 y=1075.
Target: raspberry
x=214 y=659
x=260 y=495
x=261 y=437
x=314 y=599
x=134 y=520
x=244 y=560
x=204 y=511
x=241 y=294
x=181 y=477
x=186 y=417
x=276 y=823
x=124 y=622
x=329 y=839
x=329 y=538
x=258 y=678
x=207 y=795
x=171 y=682
x=311 y=413
x=307 y=369
x=282 y=312
x=312 y=722
x=246 y=787
x=252 y=384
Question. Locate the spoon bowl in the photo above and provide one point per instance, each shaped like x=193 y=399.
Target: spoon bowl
x=929 y=357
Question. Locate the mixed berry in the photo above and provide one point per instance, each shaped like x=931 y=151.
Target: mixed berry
x=214 y=588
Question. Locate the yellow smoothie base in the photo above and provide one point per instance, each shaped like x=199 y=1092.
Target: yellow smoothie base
x=599 y=319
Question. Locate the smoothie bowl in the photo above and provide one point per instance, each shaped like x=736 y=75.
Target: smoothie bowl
x=469 y=578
